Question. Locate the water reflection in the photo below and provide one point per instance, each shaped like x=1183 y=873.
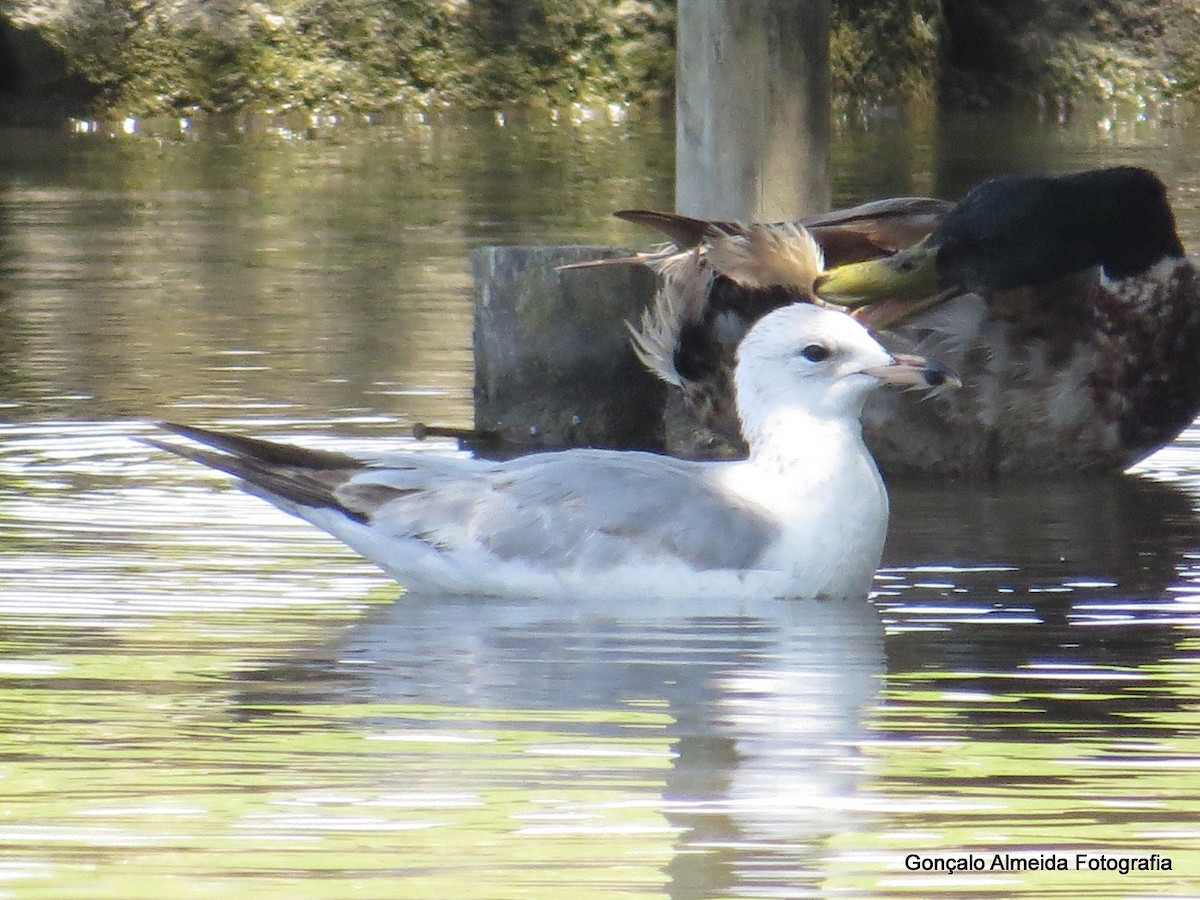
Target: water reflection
x=763 y=704
x=971 y=147
x=1073 y=584
x=203 y=697
x=245 y=271
x=1125 y=530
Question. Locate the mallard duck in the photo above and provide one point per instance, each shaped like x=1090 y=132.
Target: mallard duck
x=1065 y=304
x=805 y=515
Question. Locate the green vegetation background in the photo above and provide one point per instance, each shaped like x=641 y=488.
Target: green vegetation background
x=141 y=57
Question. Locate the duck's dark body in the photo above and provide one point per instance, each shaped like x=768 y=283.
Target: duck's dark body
x=1093 y=388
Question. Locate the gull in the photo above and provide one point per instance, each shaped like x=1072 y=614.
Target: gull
x=804 y=515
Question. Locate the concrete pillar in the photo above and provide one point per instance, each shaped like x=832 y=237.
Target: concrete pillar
x=553 y=363
x=752 y=109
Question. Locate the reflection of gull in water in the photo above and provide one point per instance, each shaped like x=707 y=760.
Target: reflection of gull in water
x=805 y=515
x=762 y=702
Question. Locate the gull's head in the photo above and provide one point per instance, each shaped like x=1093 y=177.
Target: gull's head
x=822 y=362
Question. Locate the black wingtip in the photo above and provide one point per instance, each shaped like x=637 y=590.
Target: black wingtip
x=268 y=452
x=222 y=462
x=278 y=472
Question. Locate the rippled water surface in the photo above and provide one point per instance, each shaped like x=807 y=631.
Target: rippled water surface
x=200 y=697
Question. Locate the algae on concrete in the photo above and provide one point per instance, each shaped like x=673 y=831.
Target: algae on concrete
x=142 y=57
x=120 y=58
x=553 y=363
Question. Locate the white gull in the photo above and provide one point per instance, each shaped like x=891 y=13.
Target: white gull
x=804 y=516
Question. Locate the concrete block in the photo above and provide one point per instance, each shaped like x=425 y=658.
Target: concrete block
x=553 y=363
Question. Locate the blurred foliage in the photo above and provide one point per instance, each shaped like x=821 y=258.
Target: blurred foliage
x=884 y=49
x=144 y=56
x=1001 y=52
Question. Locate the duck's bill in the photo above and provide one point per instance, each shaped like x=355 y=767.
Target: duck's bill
x=908 y=276
x=886 y=313
x=905 y=371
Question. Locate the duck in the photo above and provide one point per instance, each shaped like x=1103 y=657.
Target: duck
x=803 y=515
x=1065 y=304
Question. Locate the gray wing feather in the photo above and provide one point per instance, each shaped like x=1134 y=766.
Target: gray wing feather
x=587 y=508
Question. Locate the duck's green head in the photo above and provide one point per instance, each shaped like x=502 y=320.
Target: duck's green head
x=1022 y=230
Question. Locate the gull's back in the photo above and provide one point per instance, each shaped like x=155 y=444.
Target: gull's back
x=549 y=523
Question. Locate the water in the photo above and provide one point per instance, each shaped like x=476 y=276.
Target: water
x=201 y=697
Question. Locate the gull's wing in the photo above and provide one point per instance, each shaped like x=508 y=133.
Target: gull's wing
x=589 y=509
x=576 y=508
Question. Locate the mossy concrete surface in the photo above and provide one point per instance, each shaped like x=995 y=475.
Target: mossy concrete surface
x=117 y=58
x=144 y=57
x=553 y=363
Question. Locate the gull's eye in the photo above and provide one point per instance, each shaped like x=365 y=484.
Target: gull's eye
x=815 y=352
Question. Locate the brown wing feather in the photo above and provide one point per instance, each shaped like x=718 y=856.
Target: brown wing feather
x=875 y=229
x=684 y=231
x=867 y=231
